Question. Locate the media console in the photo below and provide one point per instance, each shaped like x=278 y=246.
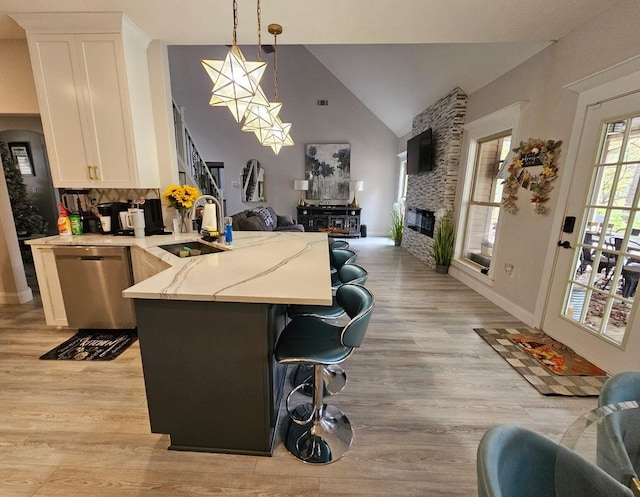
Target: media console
x=339 y=220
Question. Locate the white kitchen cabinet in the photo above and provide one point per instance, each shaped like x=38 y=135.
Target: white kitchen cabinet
x=92 y=83
x=50 y=292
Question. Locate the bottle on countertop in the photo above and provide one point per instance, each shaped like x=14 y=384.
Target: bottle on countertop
x=76 y=223
x=64 y=223
x=228 y=230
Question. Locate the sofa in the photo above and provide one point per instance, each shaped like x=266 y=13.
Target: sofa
x=263 y=219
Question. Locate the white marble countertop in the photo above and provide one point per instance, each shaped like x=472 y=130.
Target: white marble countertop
x=260 y=267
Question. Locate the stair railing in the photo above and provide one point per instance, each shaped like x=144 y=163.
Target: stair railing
x=190 y=161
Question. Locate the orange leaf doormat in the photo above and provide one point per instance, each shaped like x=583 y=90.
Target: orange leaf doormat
x=549 y=366
x=554 y=356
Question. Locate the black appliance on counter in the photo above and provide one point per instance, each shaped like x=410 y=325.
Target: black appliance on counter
x=153 y=223
x=112 y=210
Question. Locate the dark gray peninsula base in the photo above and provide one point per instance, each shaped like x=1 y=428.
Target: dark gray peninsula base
x=211 y=381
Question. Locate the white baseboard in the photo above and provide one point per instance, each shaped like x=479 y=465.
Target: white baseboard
x=16 y=298
x=486 y=291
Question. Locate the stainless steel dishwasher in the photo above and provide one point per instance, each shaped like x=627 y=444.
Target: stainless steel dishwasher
x=92 y=279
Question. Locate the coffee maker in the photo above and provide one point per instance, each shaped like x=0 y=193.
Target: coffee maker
x=111 y=211
x=153 y=223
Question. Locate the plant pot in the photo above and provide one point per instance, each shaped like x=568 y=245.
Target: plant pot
x=397 y=242
x=442 y=269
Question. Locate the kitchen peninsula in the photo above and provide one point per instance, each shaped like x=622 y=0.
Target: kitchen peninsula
x=207 y=326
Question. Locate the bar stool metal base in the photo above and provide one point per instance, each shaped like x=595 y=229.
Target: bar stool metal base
x=334 y=377
x=322 y=440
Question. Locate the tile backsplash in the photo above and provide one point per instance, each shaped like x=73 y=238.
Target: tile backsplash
x=103 y=195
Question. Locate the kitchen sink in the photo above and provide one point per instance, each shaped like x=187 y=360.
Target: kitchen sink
x=190 y=249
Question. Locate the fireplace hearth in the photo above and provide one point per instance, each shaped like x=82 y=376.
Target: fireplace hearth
x=421 y=220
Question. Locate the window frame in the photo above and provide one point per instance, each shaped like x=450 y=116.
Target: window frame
x=471 y=203
x=475 y=132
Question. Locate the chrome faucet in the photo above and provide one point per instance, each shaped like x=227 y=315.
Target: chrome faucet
x=208 y=199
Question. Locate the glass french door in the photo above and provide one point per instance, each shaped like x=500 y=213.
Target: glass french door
x=592 y=299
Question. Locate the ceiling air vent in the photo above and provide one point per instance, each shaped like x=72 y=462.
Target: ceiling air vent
x=322 y=102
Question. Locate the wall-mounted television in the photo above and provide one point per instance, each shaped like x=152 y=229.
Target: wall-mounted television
x=420 y=153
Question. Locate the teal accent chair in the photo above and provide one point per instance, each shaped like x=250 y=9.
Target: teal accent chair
x=318 y=433
x=517 y=462
x=619 y=431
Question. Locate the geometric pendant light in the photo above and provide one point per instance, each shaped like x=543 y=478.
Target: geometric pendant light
x=278 y=135
x=236 y=81
x=260 y=119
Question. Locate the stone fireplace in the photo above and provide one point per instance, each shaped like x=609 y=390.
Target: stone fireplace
x=432 y=193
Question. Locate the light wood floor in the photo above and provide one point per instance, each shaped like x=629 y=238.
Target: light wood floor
x=422 y=390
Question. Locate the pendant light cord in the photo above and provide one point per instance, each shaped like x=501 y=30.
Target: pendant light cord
x=235 y=22
x=259 y=32
x=275 y=66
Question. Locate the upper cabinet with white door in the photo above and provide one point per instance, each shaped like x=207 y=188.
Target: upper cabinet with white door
x=93 y=89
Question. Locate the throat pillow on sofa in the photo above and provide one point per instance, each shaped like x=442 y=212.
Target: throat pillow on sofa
x=268 y=215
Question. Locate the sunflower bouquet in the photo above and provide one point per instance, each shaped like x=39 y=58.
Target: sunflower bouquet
x=182 y=197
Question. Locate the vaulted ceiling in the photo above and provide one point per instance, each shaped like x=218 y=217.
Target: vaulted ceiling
x=396 y=56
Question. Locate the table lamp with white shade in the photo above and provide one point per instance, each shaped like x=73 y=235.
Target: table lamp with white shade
x=301 y=185
x=356 y=186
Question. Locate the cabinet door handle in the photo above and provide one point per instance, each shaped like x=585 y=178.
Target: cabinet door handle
x=90 y=172
x=95 y=172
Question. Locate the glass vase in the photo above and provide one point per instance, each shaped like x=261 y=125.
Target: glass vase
x=183 y=222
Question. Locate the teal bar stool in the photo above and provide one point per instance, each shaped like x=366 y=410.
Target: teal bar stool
x=334 y=377
x=339 y=244
x=337 y=259
x=318 y=433
x=349 y=273
x=340 y=257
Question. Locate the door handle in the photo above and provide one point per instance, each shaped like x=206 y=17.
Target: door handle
x=90 y=172
x=564 y=244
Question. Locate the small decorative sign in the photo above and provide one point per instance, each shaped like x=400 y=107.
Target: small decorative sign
x=531 y=159
x=21 y=155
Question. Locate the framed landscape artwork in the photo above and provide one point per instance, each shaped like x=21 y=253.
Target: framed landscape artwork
x=327 y=167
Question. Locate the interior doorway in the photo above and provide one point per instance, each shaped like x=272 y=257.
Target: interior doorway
x=25 y=135
x=39 y=184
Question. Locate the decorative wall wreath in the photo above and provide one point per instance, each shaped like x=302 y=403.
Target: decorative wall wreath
x=533 y=152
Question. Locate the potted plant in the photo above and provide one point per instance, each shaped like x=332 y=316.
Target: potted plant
x=397 y=225
x=443 y=245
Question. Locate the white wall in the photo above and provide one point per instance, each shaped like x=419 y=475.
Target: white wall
x=18 y=95
x=528 y=239
x=301 y=81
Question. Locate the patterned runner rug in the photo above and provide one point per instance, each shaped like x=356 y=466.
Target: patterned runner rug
x=551 y=367
x=93 y=345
